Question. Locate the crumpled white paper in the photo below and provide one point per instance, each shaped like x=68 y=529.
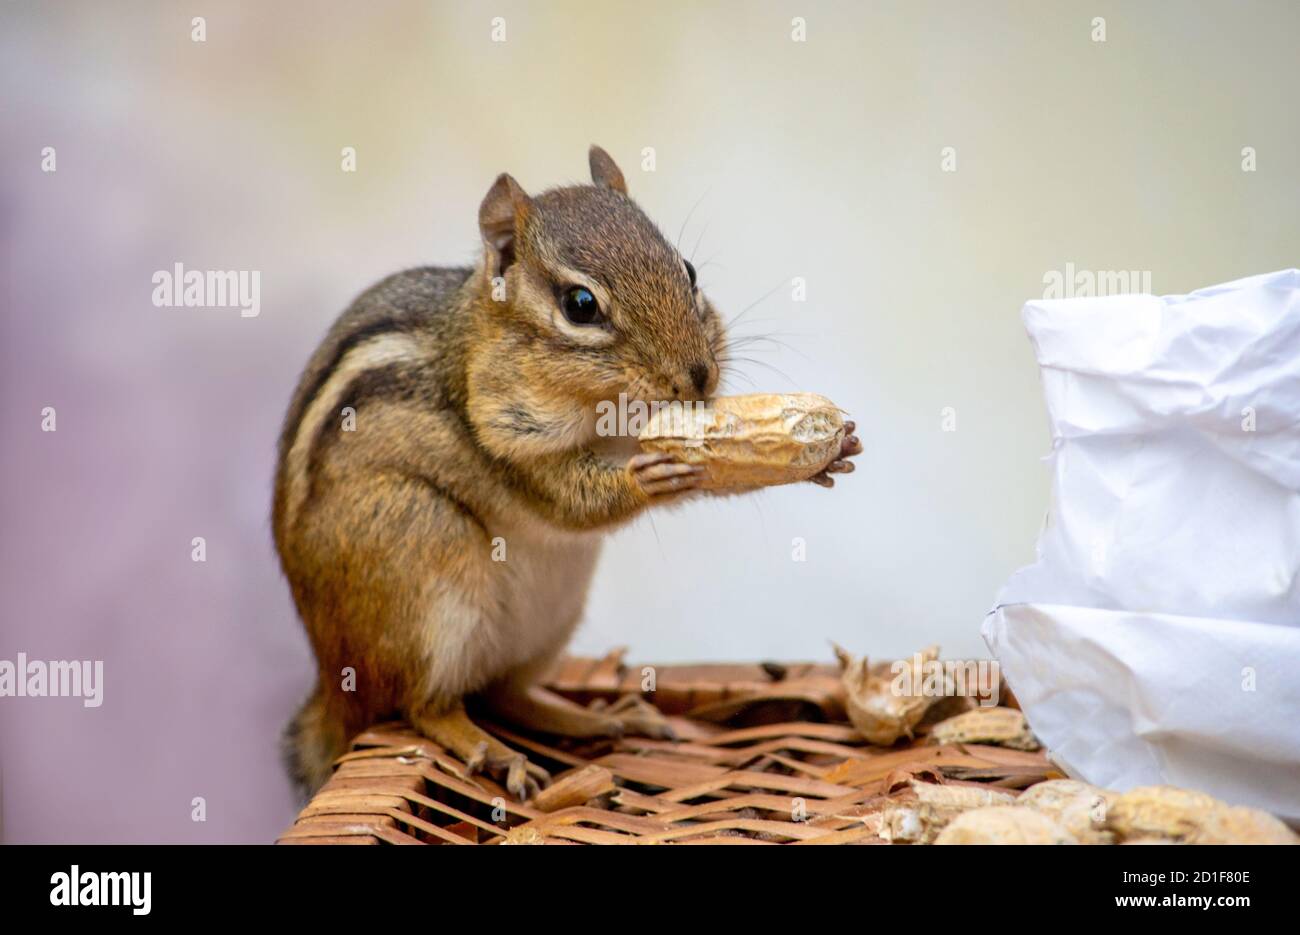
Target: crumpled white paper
x=1157 y=637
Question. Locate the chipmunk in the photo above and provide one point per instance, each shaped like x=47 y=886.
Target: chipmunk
x=472 y=395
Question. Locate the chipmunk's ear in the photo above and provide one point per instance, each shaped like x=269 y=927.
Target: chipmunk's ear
x=501 y=219
x=604 y=171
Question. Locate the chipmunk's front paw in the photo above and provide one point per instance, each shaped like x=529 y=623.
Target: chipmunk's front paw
x=852 y=445
x=659 y=474
x=633 y=715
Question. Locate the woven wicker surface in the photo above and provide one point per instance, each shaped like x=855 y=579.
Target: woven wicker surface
x=764 y=756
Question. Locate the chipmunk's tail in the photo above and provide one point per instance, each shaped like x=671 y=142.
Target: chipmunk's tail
x=311 y=742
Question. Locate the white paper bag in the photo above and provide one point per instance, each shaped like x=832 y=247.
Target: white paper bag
x=1157 y=637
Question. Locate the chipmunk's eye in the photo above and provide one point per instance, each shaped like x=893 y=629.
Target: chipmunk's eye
x=580 y=306
x=690 y=271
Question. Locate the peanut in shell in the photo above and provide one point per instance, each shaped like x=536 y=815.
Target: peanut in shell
x=757 y=440
x=1004 y=824
x=1004 y=727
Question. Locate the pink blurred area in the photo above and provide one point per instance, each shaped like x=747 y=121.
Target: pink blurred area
x=167 y=151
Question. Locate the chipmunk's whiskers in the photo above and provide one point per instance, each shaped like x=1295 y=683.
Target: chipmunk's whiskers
x=727 y=371
x=699 y=239
x=772 y=337
x=759 y=363
x=678 y=243
x=735 y=319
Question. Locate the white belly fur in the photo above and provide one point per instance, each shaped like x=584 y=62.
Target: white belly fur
x=539 y=594
x=524 y=612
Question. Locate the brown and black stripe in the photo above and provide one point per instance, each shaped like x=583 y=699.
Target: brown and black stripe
x=398 y=340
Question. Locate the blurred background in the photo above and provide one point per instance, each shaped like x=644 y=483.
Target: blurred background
x=775 y=159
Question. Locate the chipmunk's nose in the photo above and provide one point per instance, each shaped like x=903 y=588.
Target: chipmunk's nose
x=694 y=381
x=703 y=376
x=700 y=377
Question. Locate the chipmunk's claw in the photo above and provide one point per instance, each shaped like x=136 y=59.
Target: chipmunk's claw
x=658 y=473
x=632 y=714
x=476 y=760
x=850 y=446
x=522 y=778
x=482 y=753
